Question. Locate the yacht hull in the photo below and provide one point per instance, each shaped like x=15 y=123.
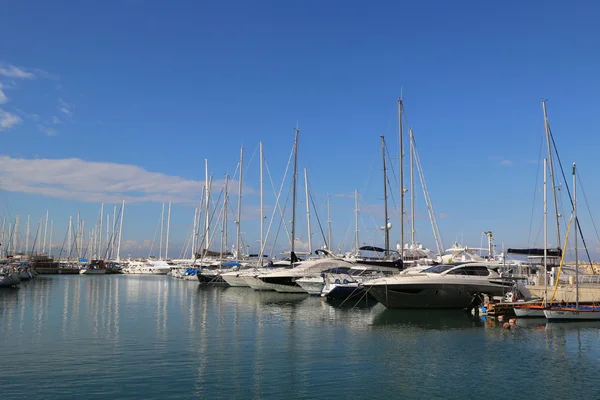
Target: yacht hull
x=431 y=295
x=592 y=314
x=93 y=271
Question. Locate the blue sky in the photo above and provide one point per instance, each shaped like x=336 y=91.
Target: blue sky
x=141 y=92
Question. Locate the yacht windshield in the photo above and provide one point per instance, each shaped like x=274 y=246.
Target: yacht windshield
x=438 y=269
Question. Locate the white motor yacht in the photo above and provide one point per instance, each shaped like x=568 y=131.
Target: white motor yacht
x=441 y=286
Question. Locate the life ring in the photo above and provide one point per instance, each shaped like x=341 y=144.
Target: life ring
x=337 y=282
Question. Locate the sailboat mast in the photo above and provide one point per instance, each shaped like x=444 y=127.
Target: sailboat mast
x=307 y=211
x=412 y=188
x=551 y=167
x=239 y=210
x=545 y=231
x=100 y=232
x=45 y=233
x=69 y=235
x=329 y=245
x=206 y=220
x=401 y=158
x=120 y=231
x=168 y=231
x=16 y=235
x=224 y=228
x=385 y=207
x=162 y=224
x=194 y=235
x=575 y=230
x=356 y=242
x=262 y=211
x=50 y=244
x=27 y=237
x=294 y=182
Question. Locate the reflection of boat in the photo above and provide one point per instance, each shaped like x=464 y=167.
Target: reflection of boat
x=576 y=325
x=442 y=286
x=427 y=319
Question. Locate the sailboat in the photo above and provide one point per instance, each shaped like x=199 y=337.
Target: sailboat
x=574 y=312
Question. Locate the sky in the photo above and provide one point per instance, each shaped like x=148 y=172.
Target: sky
x=125 y=100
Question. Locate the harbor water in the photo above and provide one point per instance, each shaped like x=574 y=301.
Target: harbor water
x=154 y=337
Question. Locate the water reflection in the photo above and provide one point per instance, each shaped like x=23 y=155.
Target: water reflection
x=139 y=333
x=427 y=319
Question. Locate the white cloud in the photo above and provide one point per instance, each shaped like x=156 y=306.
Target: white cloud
x=47 y=131
x=10 y=71
x=506 y=163
x=3 y=98
x=87 y=181
x=65 y=107
x=56 y=120
x=8 y=120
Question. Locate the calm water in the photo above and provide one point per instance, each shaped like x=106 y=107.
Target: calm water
x=156 y=337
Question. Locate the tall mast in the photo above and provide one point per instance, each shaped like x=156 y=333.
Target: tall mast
x=50 y=244
x=356 y=242
x=401 y=158
x=4 y=234
x=45 y=232
x=108 y=256
x=27 y=237
x=545 y=231
x=194 y=233
x=412 y=188
x=100 y=232
x=120 y=231
x=239 y=210
x=225 y=206
x=77 y=233
x=206 y=219
x=548 y=140
x=168 y=230
x=262 y=211
x=162 y=224
x=385 y=209
x=307 y=211
x=113 y=249
x=16 y=235
x=81 y=238
x=294 y=183
x=329 y=245
x=69 y=235
x=575 y=230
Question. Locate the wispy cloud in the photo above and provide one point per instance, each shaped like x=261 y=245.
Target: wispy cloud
x=47 y=131
x=10 y=71
x=3 y=98
x=86 y=181
x=56 y=120
x=8 y=120
x=506 y=163
x=65 y=107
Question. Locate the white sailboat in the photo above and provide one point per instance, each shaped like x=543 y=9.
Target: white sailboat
x=575 y=312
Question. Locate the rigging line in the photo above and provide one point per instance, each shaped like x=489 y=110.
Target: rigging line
x=310 y=196
x=535 y=190
x=577 y=224
x=277 y=206
x=281 y=221
x=154 y=238
x=588 y=208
